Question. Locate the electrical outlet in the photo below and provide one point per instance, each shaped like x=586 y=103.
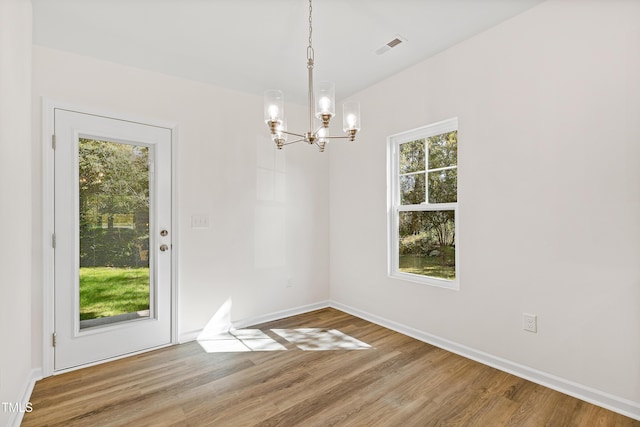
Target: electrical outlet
x=530 y=322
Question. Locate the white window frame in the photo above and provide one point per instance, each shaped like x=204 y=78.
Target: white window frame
x=394 y=207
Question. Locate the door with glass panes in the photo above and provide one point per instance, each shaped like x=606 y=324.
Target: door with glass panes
x=112 y=238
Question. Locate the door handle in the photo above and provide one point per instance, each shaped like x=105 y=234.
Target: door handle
x=164 y=232
x=164 y=248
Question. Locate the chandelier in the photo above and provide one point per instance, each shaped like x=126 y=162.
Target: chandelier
x=323 y=106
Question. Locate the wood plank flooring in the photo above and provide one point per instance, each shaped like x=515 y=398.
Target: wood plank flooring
x=399 y=381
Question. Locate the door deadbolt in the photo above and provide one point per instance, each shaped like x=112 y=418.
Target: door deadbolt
x=164 y=232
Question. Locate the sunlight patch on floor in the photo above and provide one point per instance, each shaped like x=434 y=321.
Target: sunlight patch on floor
x=219 y=336
x=240 y=340
x=306 y=339
x=314 y=339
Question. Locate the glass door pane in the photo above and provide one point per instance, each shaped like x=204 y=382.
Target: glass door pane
x=114 y=218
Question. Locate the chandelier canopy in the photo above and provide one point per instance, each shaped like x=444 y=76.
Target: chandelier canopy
x=323 y=106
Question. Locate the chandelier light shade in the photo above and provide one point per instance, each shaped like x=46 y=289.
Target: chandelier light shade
x=322 y=106
x=351 y=117
x=273 y=106
x=326 y=101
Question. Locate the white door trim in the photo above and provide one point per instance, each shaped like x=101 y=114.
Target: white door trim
x=48 y=323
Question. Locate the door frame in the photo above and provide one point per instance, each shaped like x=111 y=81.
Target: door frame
x=48 y=200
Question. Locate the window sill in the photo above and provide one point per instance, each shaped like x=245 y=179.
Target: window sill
x=454 y=285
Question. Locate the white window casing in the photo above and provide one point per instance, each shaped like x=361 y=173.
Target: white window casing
x=394 y=206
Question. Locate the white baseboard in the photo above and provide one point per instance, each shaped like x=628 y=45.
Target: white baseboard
x=243 y=323
x=16 y=417
x=614 y=403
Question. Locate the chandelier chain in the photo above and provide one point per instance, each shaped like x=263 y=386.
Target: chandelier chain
x=310 y=53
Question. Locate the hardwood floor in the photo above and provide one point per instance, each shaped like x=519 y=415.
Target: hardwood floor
x=399 y=381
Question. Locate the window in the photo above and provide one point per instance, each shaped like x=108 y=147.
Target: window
x=423 y=204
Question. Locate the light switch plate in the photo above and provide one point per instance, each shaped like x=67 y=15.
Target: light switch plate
x=199 y=221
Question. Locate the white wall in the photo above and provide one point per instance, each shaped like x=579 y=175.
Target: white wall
x=549 y=194
x=15 y=202
x=268 y=211
x=549 y=159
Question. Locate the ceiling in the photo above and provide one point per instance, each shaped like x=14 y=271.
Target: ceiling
x=254 y=45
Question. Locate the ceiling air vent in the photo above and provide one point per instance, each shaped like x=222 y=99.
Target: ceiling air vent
x=397 y=39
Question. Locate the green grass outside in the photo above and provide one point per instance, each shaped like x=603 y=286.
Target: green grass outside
x=107 y=291
x=426 y=266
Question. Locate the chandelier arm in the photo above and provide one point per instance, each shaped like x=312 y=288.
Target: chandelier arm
x=338 y=137
x=293 y=142
x=292 y=133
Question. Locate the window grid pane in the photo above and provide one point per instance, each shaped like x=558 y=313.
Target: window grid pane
x=412 y=189
x=412 y=157
x=442 y=186
x=443 y=150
